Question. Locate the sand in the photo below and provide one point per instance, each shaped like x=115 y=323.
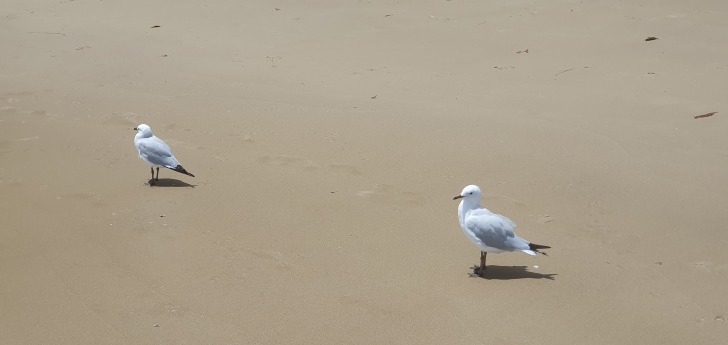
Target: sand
x=328 y=139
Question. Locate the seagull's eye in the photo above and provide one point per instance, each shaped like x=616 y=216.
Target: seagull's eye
x=471 y=193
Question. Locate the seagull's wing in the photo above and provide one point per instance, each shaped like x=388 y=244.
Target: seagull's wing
x=157 y=152
x=494 y=230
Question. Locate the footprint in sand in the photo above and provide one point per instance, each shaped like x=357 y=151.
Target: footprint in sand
x=84 y=197
x=245 y=138
x=544 y=218
x=379 y=190
x=386 y=194
x=273 y=256
x=309 y=165
x=364 y=193
x=703 y=266
x=122 y=119
x=8 y=110
x=349 y=169
x=175 y=309
x=281 y=160
x=27 y=139
x=287 y=160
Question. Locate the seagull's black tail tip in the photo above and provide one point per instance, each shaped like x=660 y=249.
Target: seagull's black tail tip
x=180 y=169
x=536 y=247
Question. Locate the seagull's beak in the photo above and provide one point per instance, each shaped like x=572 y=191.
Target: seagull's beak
x=136 y=129
x=458 y=197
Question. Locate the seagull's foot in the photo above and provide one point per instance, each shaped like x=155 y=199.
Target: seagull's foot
x=477 y=272
x=152 y=182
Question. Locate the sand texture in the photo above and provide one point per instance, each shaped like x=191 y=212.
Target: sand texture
x=328 y=139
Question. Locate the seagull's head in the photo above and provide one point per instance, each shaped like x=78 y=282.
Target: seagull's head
x=145 y=130
x=471 y=192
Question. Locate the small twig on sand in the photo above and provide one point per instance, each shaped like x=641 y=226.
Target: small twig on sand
x=705 y=115
x=564 y=71
x=47 y=33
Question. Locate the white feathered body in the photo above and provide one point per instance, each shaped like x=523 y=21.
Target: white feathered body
x=491 y=232
x=154 y=151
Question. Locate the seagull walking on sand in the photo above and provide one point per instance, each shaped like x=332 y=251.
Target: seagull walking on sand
x=155 y=152
x=491 y=232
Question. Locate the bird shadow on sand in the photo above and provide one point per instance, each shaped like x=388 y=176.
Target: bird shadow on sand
x=170 y=182
x=511 y=272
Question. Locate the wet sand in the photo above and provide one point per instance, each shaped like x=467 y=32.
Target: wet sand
x=328 y=140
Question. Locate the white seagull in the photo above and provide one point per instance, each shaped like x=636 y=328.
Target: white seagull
x=491 y=232
x=155 y=152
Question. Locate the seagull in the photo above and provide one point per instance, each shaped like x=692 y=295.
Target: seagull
x=155 y=152
x=491 y=232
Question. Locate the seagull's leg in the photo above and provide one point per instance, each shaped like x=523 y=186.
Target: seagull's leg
x=157 y=179
x=481 y=270
x=151 y=182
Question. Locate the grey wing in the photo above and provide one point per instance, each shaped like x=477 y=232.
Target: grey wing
x=157 y=152
x=495 y=231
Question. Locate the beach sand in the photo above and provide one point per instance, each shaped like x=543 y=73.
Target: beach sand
x=328 y=139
